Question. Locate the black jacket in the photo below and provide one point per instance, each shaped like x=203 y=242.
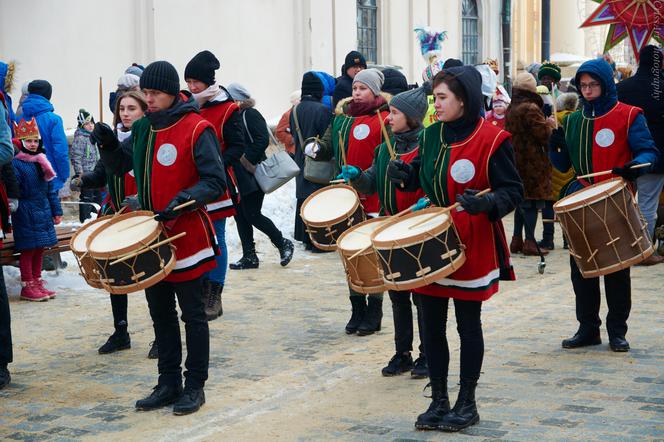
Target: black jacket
x=314 y=118
x=342 y=89
x=209 y=164
x=256 y=140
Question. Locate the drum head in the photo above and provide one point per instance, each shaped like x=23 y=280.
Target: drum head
x=359 y=236
x=329 y=204
x=80 y=239
x=123 y=234
x=411 y=226
x=591 y=194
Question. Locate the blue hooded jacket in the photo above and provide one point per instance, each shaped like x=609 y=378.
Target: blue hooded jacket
x=53 y=135
x=328 y=88
x=4 y=68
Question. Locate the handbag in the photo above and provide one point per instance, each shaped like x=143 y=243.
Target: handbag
x=319 y=172
x=276 y=170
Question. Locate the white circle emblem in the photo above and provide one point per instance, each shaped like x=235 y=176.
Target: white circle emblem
x=167 y=154
x=361 y=131
x=605 y=137
x=462 y=171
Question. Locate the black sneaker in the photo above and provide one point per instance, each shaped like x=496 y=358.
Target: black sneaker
x=190 y=402
x=400 y=363
x=420 y=368
x=116 y=342
x=161 y=396
x=286 y=252
x=5 y=377
x=153 y=353
x=249 y=261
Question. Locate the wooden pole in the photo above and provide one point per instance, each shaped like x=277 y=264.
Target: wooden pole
x=101 y=102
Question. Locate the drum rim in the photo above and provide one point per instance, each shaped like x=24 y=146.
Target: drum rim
x=594 y=273
x=382 y=219
x=389 y=244
x=130 y=248
x=619 y=184
x=413 y=284
x=82 y=229
x=335 y=220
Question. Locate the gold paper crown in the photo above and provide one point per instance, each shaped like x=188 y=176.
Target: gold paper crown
x=26 y=129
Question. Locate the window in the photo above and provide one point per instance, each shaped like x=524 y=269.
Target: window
x=470 y=50
x=367 y=30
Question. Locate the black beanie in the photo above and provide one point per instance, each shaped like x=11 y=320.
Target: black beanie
x=354 y=58
x=311 y=85
x=162 y=76
x=40 y=87
x=452 y=63
x=202 y=67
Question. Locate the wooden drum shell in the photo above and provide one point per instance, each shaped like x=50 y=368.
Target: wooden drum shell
x=86 y=263
x=362 y=271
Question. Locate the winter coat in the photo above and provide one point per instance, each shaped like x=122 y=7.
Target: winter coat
x=38 y=204
x=83 y=154
x=530 y=137
x=313 y=118
x=640 y=91
x=328 y=88
x=342 y=89
x=6 y=146
x=283 y=132
x=7 y=70
x=52 y=133
x=256 y=141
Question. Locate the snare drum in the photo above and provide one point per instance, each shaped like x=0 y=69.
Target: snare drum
x=329 y=212
x=78 y=246
x=418 y=249
x=359 y=259
x=137 y=235
x=604 y=227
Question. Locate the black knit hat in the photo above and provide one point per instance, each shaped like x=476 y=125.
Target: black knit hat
x=40 y=87
x=202 y=67
x=354 y=58
x=311 y=85
x=162 y=76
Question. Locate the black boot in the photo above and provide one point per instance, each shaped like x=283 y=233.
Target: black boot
x=420 y=368
x=153 y=353
x=373 y=318
x=439 y=407
x=359 y=304
x=249 y=260
x=191 y=401
x=400 y=363
x=5 y=377
x=161 y=396
x=285 y=252
x=464 y=414
x=117 y=341
x=213 y=308
x=581 y=339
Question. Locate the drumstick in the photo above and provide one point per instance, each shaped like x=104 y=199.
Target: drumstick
x=553 y=95
x=359 y=252
x=122 y=209
x=338 y=181
x=181 y=206
x=607 y=172
x=446 y=209
x=403 y=212
x=150 y=247
x=342 y=149
x=388 y=143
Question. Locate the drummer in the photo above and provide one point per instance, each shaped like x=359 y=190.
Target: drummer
x=176 y=159
x=129 y=107
x=604 y=134
x=407 y=111
x=458 y=156
x=357 y=125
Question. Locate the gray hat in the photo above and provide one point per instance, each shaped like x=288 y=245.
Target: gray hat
x=238 y=92
x=413 y=103
x=373 y=78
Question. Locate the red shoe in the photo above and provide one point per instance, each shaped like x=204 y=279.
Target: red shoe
x=40 y=285
x=31 y=292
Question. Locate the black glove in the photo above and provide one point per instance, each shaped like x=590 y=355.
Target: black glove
x=168 y=214
x=475 y=204
x=626 y=171
x=102 y=135
x=557 y=140
x=399 y=172
x=132 y=203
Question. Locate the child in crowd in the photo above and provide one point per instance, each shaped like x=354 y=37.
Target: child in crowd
x=38 y=210
x=84 y=156
x=499 y=105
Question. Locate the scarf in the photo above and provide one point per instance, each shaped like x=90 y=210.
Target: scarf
x=209 y=94
x=406 y=141
x=40 y=159
x=355 y=109
x=122 y=134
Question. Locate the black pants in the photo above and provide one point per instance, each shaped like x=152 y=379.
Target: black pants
x=402 y=312
x=249 y=216
x=88 y=196
x=548 y=229
x=119 y=307
x=161 y=301
x=6 y=355
x=525 y=218
x=469 y=326
x=299 y=232
x=618 y=290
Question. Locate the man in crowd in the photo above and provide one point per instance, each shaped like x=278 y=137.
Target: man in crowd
x=353 y=64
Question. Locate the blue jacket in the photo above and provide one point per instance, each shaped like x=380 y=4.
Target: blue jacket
x=52 y=133
x=33 y=221
x=6 y=146
x=4 y=68
x=328 y=88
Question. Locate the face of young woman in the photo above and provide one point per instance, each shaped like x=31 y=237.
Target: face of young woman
x=397 y=120
x=158 y=100
x=448 y=106
x=32 y=144
x=362 y=93
x=130 y=110
x=195 y=86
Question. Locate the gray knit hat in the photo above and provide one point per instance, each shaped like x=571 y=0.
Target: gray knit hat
x=373 y=78
x=413 y=103
x=238 y=92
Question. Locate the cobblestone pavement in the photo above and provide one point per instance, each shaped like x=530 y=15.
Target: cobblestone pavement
x=282 y=367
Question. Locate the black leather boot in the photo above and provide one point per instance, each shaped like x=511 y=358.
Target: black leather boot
x=373 y=318
x=439 y=407
x=359 y=304
x=285 y=252
x=161 y=396
x=464 y=414
x=248 y=261
x=191 y=401
x=213 y=307
x=581 y=339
